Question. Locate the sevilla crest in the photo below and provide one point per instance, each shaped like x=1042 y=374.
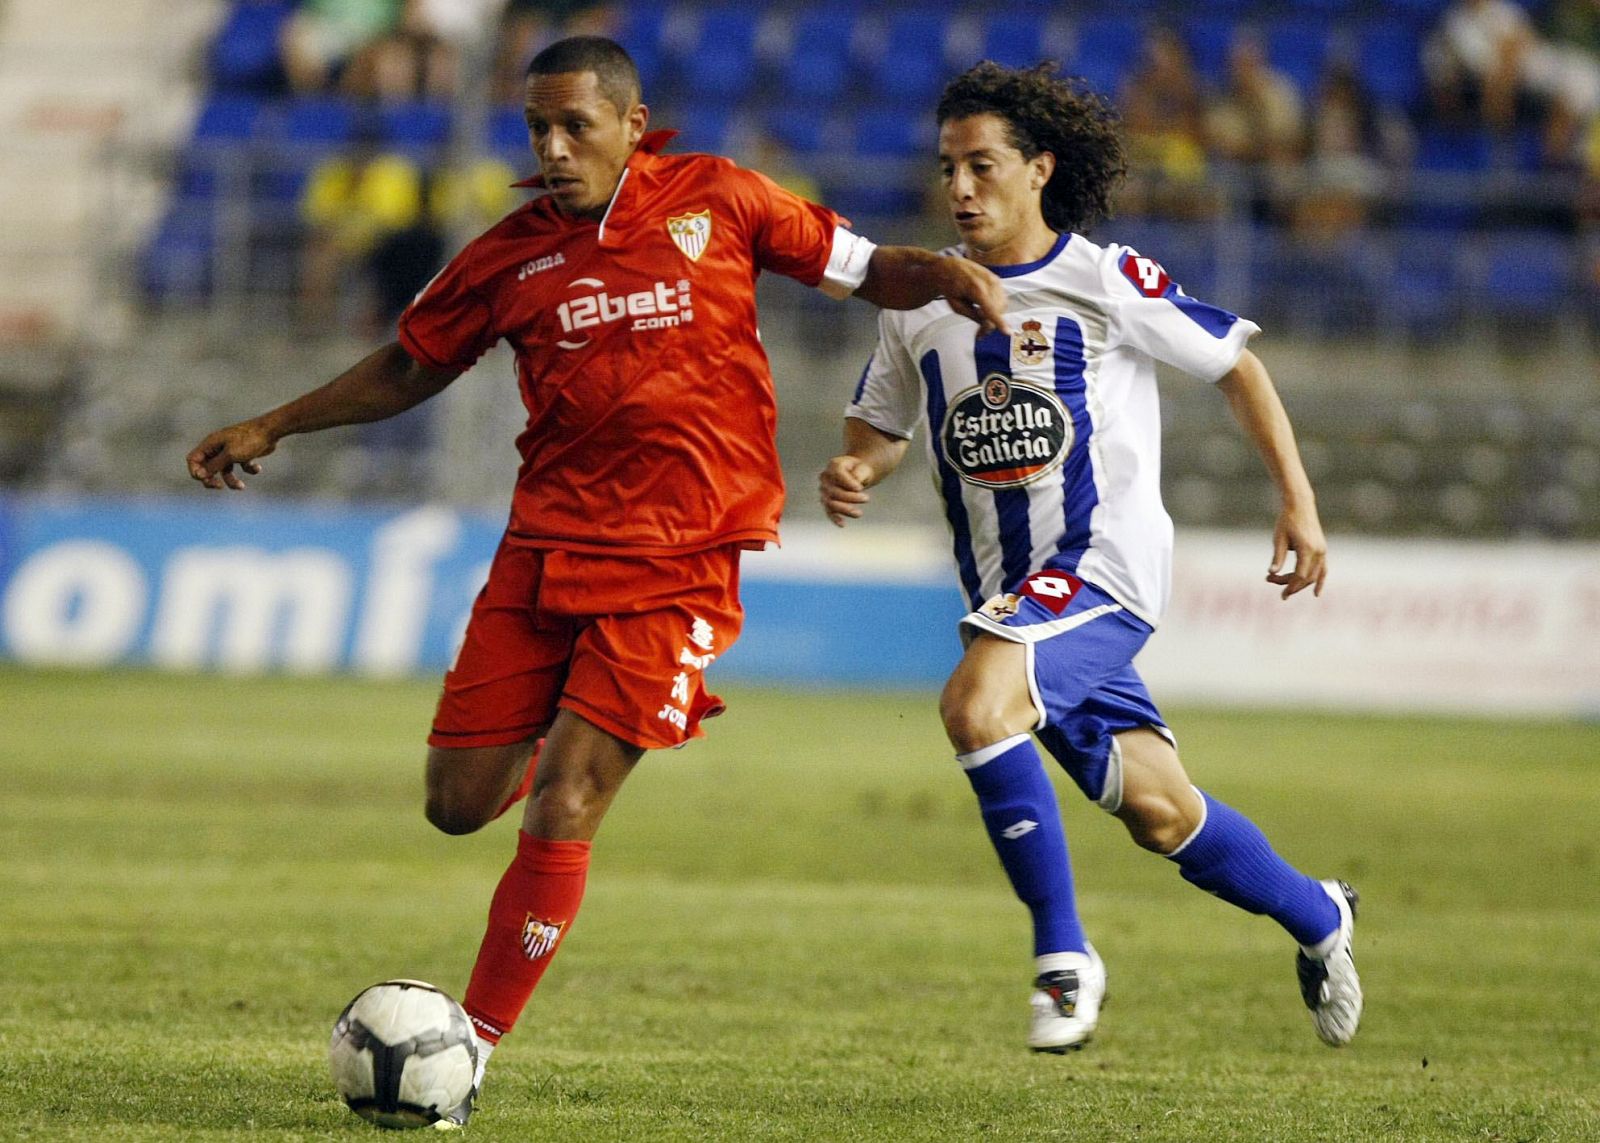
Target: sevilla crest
x=691 y=233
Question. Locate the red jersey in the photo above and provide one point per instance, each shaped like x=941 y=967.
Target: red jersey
x=651 y=412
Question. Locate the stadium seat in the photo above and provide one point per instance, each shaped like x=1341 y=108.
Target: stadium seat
x=722 y=63
x=1389 y=63
x=1108 y=48
x=817 y=66
x=176 y=264
x=705 y=129
x=506 y=133
x=1299 y=48
x=1013 y=39
x=319 y=123
x=641 y=33
x=801 y=128
x=1527 y=277
x=418 y=127
x=244 y=55
x=911 y=67
x=229 y=118
x=1210 y=40
x=1424 y=291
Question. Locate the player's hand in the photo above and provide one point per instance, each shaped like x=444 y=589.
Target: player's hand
x=1299 y=531
x=975 y=292
x=843 y=488
x=213 y=460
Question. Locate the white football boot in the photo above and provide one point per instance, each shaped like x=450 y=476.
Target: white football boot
x=1066 y=1002
x=1330 y=986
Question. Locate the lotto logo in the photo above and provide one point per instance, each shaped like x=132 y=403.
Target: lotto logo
x=1053 y=589
x=1019 y=829
x=1146 y=274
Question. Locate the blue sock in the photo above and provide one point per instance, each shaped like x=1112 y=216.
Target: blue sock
x=1024 y=823
x=1231 y=858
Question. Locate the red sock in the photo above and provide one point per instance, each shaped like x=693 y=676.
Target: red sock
x=532 y=910
x=526 y=784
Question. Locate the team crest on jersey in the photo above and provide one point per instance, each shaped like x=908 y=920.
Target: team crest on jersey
x=999 y=607
x=1002 y=433
x=690 y=233
x=1030 y=345
x=539 y=937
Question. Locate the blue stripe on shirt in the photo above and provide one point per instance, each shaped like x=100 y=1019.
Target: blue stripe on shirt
x=955 y=509
x=993 y=355
x=1079 y=495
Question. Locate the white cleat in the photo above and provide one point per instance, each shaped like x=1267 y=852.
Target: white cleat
x=1066 y=1003
x=1330 y=986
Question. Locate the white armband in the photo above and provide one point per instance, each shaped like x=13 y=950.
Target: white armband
x=847 y=265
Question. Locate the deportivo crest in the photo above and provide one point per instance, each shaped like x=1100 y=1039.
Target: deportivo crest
x=539 y=937
x=690 y=233
x=1030 y=345
x=1003 y=432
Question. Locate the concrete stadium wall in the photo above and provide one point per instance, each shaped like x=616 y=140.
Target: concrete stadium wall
x=245 y=585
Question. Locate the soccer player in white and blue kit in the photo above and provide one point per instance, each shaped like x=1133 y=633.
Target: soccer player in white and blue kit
x=1045 y=447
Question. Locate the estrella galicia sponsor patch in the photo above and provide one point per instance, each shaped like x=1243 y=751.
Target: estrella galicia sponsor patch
x=1004 y=432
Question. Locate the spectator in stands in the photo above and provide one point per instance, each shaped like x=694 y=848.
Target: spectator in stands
x=1259 y=124
x=528 y=25
x=334 y=43
x=422 y=56
x=1163 y=124
x=378 y=223
x=1487 y=56
x=1350 y=144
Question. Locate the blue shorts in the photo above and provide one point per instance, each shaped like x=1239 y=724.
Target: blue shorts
x=1080 y=644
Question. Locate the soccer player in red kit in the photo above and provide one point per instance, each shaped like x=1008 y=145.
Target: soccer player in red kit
x=627 y=290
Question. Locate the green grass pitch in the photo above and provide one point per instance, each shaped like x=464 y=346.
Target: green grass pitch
x=794 y=929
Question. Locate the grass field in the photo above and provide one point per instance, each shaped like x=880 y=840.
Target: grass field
x=794 y=930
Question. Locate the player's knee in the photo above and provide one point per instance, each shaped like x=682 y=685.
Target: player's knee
x=1156 y=821
x=974 y=719
x=568 y=808
x=449 y=812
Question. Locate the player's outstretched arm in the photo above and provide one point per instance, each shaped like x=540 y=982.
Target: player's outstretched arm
x=1255 y=404
x=869 y=456
x=385 y=382
x=906 y=278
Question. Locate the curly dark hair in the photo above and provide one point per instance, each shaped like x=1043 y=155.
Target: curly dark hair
x=1044 y=111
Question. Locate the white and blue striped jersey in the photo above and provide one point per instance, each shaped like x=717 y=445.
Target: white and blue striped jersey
x=1046 y=442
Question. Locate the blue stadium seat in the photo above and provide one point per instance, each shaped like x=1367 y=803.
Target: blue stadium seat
x=801 y=128
x=1527 y=276
x=229 y=118
x=705 y=129
x=911 y=68
x=641 y=34
x=176 y=264
x=244 y=55
x=418 y=127
x=1445 y=150
x=818 y=63
x=895 y=134
x=1424 y=292
x=1013 y=39
x=722 y=64
x=319 y=122
x=1210 y=41
x=1389 y=62
x=1299 y=49
x=1108 y=48
x=506 y=132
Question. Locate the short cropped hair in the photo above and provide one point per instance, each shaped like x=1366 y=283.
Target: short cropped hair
x=613 y=67
x=1044 y=111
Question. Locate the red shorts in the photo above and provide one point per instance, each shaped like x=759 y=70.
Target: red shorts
x=621 y=641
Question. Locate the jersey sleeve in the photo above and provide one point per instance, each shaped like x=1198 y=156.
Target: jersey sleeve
x=1152 y=314
x=449 y=324
x=805 y=241
x=889 y=395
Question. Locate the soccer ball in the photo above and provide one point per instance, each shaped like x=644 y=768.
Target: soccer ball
x=403 y=1054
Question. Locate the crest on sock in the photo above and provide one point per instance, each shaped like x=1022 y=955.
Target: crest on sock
x=539 y=937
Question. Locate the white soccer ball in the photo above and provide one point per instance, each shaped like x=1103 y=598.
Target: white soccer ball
x=403 y=1054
